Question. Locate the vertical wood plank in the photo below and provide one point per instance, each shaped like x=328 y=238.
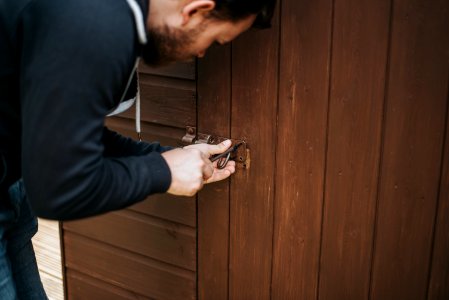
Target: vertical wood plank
x=303 y=106
x=359 y=60
x=439 y=280
x=413 y=143
x=214 y=97
x=254 y=108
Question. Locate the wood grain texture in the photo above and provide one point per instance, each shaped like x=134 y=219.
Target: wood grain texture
x=166 y=101
x=254 y=107
x=184 y=70
x=53 y=286
x=214 y=102
x=47 y=247
x=303 y=106
x=167 y=136
x=128 y=271
x=154 y=238
x=413 y=143
x=359 y=62
x=82 y=286
x=176 y=209
x=439 y=279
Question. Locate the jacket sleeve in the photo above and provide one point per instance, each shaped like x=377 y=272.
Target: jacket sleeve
x=116 y=145
x=76 y=58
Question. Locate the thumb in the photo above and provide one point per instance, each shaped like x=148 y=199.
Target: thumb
x=220 y=148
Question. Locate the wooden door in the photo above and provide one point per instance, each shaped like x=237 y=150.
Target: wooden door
x=344 y=107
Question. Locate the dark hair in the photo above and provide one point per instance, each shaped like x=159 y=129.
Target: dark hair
x=236 y=10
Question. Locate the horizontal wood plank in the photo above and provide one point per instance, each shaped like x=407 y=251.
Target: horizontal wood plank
x=166 y=101
x=81 y=286
x=185 y=70
x=126 y=270
x=47 y=248
x=164 y=241
x=177 y=209
x=53 y=286
x=167 y=136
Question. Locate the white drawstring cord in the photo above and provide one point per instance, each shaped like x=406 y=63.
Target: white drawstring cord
x=138 y=16
x=126 y=104
x=138 y=124
x=141 y=32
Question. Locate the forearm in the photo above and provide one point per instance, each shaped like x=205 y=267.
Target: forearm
x=83 y=191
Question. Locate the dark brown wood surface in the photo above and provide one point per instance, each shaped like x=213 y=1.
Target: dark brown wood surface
x=176 y=209
x=413 y=143
x=183 y=70
x=165 y=135
x=166 y=101
x=82 y=286
x=301 y=146
x=439 y=279
x=155 y=238
x=214 y=103
x=253 y=117
x=128 y=271
x=359 y=60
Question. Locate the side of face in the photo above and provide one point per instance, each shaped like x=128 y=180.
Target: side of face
x=181 y=30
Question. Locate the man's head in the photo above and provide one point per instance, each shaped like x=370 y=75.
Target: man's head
x=179 y=30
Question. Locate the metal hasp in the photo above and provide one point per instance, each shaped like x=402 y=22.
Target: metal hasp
x=241 y=156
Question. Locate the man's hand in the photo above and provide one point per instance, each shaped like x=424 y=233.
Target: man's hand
x=191 y=168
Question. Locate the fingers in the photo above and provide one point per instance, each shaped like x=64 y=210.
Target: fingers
x=188 y=169
x=208 y=169
x=191 y=169
x=220 y=148
x=230 y=163
x=219 y=175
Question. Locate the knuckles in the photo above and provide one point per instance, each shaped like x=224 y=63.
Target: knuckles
x=201 y=164
x=195 y=188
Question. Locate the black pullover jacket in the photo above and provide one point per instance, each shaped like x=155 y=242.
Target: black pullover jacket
x=64 y=66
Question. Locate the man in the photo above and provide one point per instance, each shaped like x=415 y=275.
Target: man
x=64 y=66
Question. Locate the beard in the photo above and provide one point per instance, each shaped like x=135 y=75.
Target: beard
x=166 y=46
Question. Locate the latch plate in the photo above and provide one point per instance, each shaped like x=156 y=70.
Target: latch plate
x=194 y=137
x=190 y=136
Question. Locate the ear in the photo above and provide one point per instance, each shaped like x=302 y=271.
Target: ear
x=194 y=7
